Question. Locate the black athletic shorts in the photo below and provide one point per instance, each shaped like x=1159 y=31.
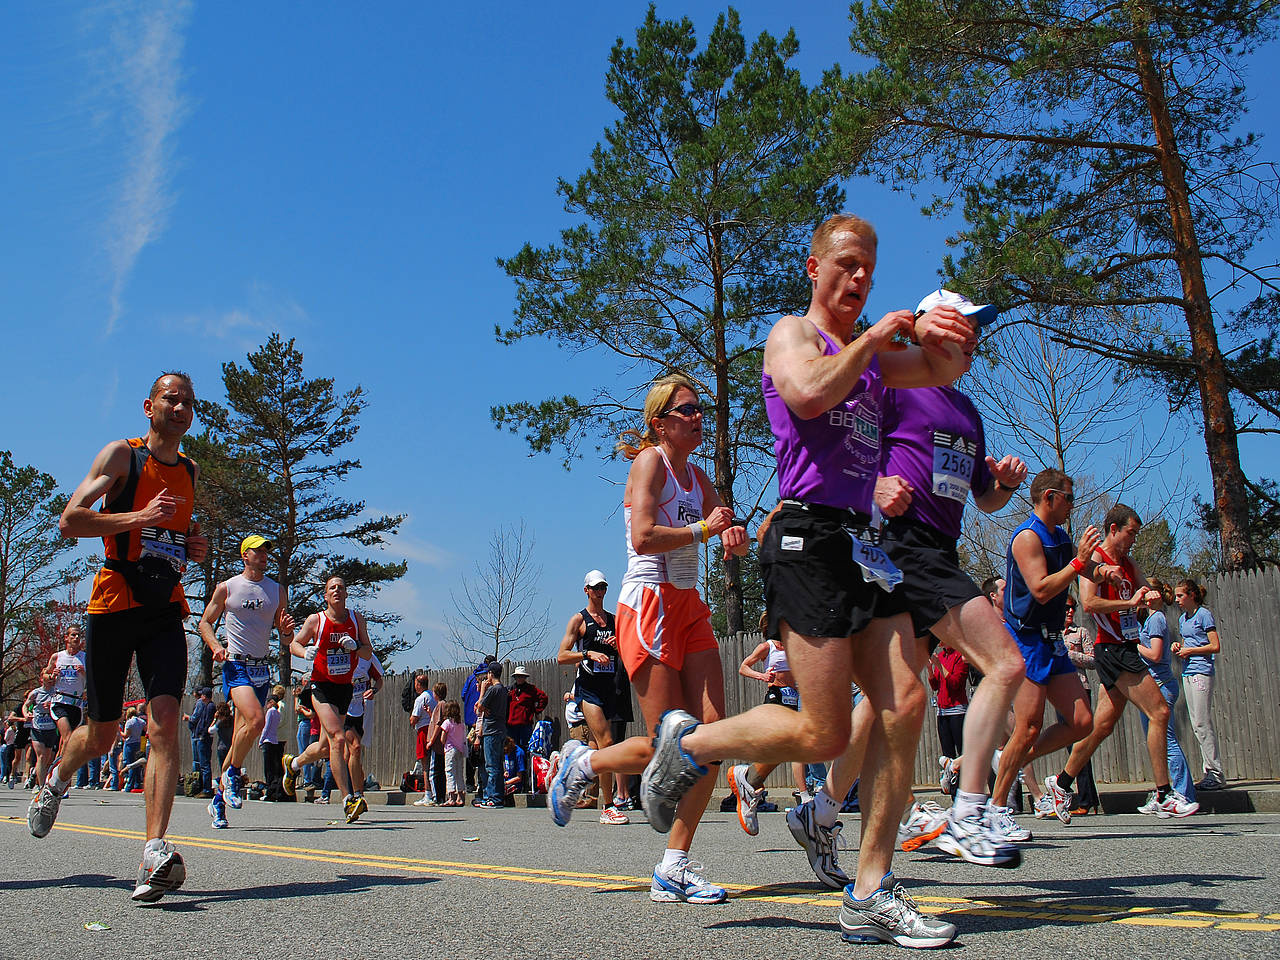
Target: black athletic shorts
x=1113 y=659
x=604 y=697
x=810 y=578
x=933 y=582
x=337 y=695
x=46 y=738
x=783 y=696
x=356 y=724
x=152 y=634
x=21 y=740
x=69 y=711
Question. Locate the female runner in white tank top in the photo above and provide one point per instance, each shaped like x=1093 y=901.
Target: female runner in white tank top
x=663 y=627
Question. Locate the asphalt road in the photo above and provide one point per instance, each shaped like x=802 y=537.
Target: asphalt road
x=405 y=882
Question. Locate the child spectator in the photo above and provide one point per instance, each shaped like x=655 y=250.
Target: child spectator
x=454 y=734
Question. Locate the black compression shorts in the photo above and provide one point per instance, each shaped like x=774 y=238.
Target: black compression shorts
x=154 y=636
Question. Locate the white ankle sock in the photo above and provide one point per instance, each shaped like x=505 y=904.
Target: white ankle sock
x=587 y=768
x=826 y=809
x=671 y=858
x=968 y=804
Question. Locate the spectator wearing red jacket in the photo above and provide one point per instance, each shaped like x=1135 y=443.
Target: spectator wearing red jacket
x=525 y=703
x=949 y=676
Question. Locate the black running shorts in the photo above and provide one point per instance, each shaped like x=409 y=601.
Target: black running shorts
x=46 y=738
x=337 y=695
x=933 y=582
x=810 y=578
x=356 y=724
x=787 y=697
x=1113 y=659
x=152 y=634
x=67 y=711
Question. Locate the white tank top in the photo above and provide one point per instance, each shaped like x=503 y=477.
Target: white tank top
x=251 y=612
x=777 y=658
x=677 y=507
x=69 y=687
x=360 y=682
x=42 y=710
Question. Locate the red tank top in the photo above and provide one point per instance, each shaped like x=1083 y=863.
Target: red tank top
x=1122 y=625
x=332 y=662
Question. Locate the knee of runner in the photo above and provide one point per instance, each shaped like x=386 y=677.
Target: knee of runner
x=1082 y=723
x=1007 y=672
x=103 y=738
x=820 y=742
x=1160 y=715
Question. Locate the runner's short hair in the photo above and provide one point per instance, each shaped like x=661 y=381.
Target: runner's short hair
x=1046 y=480
x=185 y=377
x=820 y=245
x=1119 y=516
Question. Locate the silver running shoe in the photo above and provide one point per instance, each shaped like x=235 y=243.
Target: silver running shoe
x=1173 y=805
x=43 y=811
x=950 y=776
x=820 y=844
x=670 y=773
x=748 y=798
x=683 y=883
x=891 y=916
x=569 y=782
x=1151 y=807
x=161 y=871
x=970 y=839
x=1044 y=807
x=1001 y=825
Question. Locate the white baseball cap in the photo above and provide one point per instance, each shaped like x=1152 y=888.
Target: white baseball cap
x=980 y=315
x=594 y=579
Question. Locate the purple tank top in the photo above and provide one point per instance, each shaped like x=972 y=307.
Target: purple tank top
x=834 y=458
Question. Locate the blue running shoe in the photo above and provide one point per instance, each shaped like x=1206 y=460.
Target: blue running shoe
x=218 y=810
x=569 y=783
x=683 y=883
x=231 y=781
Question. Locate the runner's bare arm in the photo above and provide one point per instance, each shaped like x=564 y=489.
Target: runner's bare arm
x=720 y=519
x=304 y=637
x=284 y=619
x=943 y=334
x=1007 y=475
x=1045 y=584
x=647 y=478
x=110 y=469
x=566 y=654
x=364 y=650
x=213 y=611
x=810 y=382
x=754 y=657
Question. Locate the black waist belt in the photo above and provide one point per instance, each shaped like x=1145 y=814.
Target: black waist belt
x=242 y=658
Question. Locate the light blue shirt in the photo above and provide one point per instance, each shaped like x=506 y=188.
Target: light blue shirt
x=1195 y=633
x=1156 y=625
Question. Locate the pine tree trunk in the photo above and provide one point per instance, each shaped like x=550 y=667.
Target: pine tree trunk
x=1230 y=493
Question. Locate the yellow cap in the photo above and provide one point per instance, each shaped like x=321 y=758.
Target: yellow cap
x=254 y=542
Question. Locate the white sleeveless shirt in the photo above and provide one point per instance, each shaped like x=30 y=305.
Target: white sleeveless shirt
x=677 y=507
x=251 y=613
x=69 y=687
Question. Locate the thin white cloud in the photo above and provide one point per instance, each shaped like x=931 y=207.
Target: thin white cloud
x=145 y=51
x=244 y=326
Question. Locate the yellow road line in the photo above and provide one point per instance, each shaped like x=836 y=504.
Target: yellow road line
x=1011 y=907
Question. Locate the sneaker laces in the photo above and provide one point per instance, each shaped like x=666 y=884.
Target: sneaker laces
x=688 y=872
x=905 y=906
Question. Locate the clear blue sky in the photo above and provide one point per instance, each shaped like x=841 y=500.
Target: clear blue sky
x=185 y=178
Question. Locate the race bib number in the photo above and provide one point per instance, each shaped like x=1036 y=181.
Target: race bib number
x=598 y=667
x=170 y=545
x=790 y=696
x=953 y=460
x=259 y=673
x=876 y=566
x=1129 y=625
x=338 y=662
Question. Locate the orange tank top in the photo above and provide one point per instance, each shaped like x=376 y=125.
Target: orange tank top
x=332 y=662
x=148 y=476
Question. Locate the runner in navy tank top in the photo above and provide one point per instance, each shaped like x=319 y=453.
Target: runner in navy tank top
x=829 y=590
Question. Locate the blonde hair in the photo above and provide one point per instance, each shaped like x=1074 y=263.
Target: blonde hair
x=631 y=442
x=820 y=245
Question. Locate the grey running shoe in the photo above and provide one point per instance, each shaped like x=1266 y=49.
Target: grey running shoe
x=568 y=783
x=1211 y=782
x=1151 y=807
x=161 y=871
x=43 y=811
x=670 y=773
x=891 y=916
x=748 y=798
x=1002 y=826
x=971 y=839
x=820 y=844
x=950 y=776
x=683 y=883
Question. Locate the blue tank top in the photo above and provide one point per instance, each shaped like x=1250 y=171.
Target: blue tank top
x=1020 y=608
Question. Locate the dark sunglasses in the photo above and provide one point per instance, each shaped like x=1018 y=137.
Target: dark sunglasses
x=685 y=410
x=599 y=586
x=1069 y=497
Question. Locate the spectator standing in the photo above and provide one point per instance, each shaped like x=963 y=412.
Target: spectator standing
x=221 y=728
x=525 y=704
x=269 y=741
x=135 y=726
x=949 y=678
x=435 y=743
x=1199 y=649
x=493 y=706
x=424 y=706
x=306 y=734
x=198 y=721
x=470 y=697
x=1155 y=648
x=454 y=734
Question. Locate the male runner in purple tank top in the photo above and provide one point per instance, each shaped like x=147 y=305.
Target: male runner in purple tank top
x=830 y=591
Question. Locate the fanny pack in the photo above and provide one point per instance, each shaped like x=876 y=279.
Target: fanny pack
x=151 y=579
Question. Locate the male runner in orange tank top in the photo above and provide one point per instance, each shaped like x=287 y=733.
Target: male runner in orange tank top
x=136 y=609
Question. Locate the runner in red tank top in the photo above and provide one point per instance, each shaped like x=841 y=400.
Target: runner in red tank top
x=333 y=640
x=1122 y=671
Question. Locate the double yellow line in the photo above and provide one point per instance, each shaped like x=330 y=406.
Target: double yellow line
x=1017 y=907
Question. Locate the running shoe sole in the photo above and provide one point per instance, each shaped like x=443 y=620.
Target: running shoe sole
x=919 y=840
x=169 y=875
x=1008 y=857
x=742 y=821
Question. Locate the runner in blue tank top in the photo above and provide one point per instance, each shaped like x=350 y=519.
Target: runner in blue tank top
x=1041 y=565
x=829 y=590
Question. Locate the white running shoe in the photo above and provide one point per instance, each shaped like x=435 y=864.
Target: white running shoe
x=569 y=783
x=924 y=822
x=748 y=798
x=1059 y=798
x=950 y=776
x=1001 y=825
x=161 y=871
x=683 y=883
x=43 y=810
x=971 y=839
x=1175 y=805
x=1044 y=807
x=820 y=844
x=613 y=816
x=890 y=915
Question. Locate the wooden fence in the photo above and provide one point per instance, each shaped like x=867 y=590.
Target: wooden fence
x=1246 y=701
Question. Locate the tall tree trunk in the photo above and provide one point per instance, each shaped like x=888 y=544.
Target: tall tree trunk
x=1230 y=493
x=723 y=452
